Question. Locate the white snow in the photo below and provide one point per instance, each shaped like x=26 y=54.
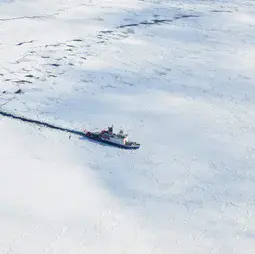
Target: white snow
x=183 y=88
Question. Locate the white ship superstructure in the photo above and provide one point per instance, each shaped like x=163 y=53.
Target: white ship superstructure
x=119 y=138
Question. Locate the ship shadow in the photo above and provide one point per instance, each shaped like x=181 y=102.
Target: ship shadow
x=97 y=142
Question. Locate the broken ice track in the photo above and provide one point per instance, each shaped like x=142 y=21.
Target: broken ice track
x=48 y=125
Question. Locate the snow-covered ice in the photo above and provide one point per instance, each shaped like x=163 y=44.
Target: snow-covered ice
x=178 y=76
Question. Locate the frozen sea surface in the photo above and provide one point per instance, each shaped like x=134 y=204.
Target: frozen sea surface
x=178 y=76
